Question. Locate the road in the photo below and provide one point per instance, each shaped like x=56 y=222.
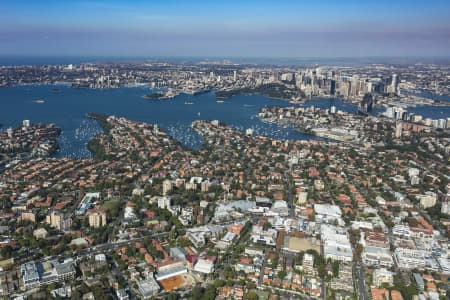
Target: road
x=323 y=281
x=359 y=269
x=114 y=245
x=361 y=282
x=263 y=267
x=290 y=202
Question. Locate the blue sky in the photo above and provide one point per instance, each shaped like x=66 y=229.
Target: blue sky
x=216 y=28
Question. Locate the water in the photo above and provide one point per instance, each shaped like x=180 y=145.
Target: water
x=68 y=109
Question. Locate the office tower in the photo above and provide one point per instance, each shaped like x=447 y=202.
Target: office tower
x=332 y=87
x=366 y=103
x=26 y=123
x=394 y=84
x=234 y=75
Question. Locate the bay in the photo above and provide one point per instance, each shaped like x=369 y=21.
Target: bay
x=68 y=109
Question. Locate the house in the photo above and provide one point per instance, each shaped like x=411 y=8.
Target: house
x=40 y=233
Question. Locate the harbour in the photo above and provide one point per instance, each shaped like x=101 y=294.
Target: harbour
x=68 y=109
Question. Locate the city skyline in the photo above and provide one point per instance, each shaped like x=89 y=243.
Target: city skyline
x=231 y=29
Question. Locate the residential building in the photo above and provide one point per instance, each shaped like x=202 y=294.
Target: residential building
x=148 y=287
x=59 y=221
x=97 y=218
x=381 y=276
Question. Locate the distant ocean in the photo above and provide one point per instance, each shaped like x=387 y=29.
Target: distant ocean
x=9 y=60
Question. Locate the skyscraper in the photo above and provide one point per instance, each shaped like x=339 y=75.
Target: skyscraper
x=332 y=87
x=394 y=84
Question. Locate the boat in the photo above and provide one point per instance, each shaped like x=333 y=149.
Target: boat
x=188 y=103
x=55 y=91
x=219 y=101
x=40 y=101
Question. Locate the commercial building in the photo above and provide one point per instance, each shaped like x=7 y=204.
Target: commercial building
x=170 y=269
x=326 y=213
x=148 y=287
x=37 y=274
x=264 y=237
x=336 y=244
x=204 y=266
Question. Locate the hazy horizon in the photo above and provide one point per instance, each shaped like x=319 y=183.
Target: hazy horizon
x=12 y=59
x=174 y=28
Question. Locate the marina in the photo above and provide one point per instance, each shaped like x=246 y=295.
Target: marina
x=68 y=107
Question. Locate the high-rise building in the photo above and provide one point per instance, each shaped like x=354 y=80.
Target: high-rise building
x=365 y=106
x=398 y=129
x=10 y=132
x=442 y=123
x=166 y=187
x=354 y=86
x=332 y=87
x=204 y=186
x=59 y=221
x=333 y=109
x=445 y=208
x=234 y=75
x=26 y=123
x=394 y=84
x=164 y=202
x=97 y=218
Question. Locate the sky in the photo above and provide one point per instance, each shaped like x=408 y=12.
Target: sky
x=215 y=28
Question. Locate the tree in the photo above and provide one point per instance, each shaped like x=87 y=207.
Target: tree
x=335 y=268
x=267 y=225
x=7 y=252
x=219 y=283
x=281 y=274
x=251 y=296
